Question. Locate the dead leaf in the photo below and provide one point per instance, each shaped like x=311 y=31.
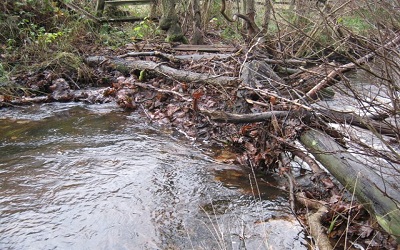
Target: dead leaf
x=250 y=148
x=365 y=231
x=171 y=109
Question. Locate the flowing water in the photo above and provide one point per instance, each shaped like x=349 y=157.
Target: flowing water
x=77 y=176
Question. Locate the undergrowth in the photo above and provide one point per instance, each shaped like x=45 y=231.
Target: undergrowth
x=44 y=36
x=39 y=36
x=36 y=35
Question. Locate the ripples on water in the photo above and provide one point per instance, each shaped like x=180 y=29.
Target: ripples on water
x=92 y=177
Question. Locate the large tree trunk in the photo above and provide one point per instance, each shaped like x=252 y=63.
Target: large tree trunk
x=267 y=15
x=153 y=9
x=197 y=37
x=380 y=197
x=250 y=13
x=170 y=22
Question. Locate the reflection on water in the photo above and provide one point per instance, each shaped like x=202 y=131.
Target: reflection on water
x=92 y=177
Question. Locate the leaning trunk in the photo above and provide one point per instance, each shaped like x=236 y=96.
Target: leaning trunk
x=378 y=196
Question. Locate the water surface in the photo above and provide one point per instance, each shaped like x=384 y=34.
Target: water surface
x=77 y=176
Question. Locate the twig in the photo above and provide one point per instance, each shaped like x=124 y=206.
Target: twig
x=312 y=94
x=291 y=190
x=259 y=40
x=82 y=11
x=268 y=93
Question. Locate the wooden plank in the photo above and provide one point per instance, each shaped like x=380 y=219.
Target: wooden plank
x=125 y=19
x=129 y=2
x=204 y=48
x=184 y=47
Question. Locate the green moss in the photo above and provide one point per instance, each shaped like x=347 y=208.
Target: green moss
x=165 y=23
x=175 y=34
x=355 y=23
x=123 y=69
x=230 y=34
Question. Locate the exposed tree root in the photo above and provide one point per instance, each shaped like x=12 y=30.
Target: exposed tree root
x=317 y=231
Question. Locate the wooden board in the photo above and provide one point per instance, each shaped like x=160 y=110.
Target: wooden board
x=124 y=19
x=129 y=2
x=205 y=48
x=183 y=47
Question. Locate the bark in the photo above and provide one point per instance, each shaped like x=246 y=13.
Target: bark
x=66 y=95
x=153 y=9
x=222 y=10
x=249 y=25
x=197 y=29
x=250 y=9
x=160 y=68
x=170 y=22
x=267 y=15
x=376 y=194
x=255 y=74
x=317 y=230
x=258 y=74
x=251 y=29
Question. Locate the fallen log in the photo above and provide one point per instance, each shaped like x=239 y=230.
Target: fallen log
x=162 y=69
x=355 y=120
x=374 y=192
x=172 y=58
x=221 y=116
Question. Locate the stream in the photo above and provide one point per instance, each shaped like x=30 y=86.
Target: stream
x=79 y=176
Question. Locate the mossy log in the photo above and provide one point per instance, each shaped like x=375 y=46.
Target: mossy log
x=162 y=69
x=377 y=195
